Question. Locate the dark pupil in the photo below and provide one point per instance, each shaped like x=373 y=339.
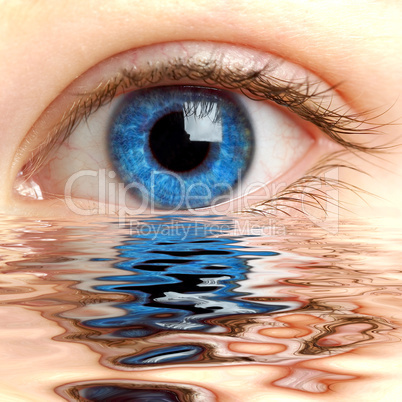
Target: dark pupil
x=171 y=145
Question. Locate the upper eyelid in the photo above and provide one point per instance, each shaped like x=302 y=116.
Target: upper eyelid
x=303 y=97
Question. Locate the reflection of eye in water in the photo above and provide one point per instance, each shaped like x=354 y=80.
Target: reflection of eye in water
x=279 y=314
x=115 y=393
x=124 y=391
x=182 y=353
x=180 y=277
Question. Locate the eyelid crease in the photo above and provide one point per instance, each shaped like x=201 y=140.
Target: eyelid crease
x=301 y=97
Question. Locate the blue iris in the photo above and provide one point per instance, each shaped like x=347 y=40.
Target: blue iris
x=181 y=147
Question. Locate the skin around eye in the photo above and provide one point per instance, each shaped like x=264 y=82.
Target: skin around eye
x=282 y=143
x=355 y=44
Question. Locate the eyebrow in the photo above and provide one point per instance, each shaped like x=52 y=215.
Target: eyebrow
x=301 y=97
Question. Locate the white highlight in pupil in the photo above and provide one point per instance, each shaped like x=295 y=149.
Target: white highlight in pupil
x=200 y=124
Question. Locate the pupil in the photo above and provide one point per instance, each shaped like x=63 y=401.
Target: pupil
x=171 y=145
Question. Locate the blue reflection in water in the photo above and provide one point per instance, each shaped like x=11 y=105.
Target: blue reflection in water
x=180 y=275
x=114 y=393
x=182 y=353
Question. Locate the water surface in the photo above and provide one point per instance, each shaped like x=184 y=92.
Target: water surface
x=198 y=309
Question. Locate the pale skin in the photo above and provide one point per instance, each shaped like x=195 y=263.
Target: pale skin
x=45 y=45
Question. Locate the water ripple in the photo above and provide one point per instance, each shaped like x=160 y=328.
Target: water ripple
x=193 y=301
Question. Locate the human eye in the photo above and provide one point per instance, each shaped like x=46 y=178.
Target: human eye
x=184 y=126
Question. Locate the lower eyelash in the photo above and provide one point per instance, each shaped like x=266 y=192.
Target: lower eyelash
x=309 y=191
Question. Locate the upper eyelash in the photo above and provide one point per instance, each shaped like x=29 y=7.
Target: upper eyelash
x=302 y=98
